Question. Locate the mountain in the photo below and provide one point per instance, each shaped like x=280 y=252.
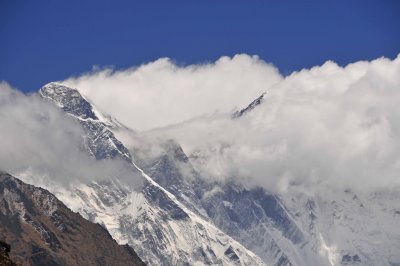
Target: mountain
x=179 y=217
x=43 y=231
x=161 y=229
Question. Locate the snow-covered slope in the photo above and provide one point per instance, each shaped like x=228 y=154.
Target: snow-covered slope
x=254 y=217
x=161 y=229
x=349 y=228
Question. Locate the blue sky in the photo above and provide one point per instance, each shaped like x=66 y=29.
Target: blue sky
x=42 y=41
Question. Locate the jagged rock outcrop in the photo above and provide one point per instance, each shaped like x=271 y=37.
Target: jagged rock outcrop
x=250 y=107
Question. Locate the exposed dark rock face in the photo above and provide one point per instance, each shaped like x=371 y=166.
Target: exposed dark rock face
x=250 y=107
x=43 y=231
x=351 y=260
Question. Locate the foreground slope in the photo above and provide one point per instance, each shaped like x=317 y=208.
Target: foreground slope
x=43 y=231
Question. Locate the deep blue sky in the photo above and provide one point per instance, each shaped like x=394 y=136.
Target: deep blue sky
x=42 y=41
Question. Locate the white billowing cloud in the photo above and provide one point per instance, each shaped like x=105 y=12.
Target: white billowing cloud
x=161 y=93
x=327 y=125
x=40 y=142
x=331 y=125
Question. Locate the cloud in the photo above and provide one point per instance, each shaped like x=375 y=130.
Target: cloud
x=328 y=125
x=38 y=140
x=161 y=93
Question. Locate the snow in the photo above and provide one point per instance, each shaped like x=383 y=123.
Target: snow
x=211 y=230
x=330 y=251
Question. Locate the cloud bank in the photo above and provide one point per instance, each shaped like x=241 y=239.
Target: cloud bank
x=161 y=93
x=40 y=142
x=332 y=125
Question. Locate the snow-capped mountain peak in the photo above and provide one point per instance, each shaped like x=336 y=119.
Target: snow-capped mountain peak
x=162 y=230
x=68 y=99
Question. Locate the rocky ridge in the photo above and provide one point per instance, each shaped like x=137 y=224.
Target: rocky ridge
x=43 y=231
